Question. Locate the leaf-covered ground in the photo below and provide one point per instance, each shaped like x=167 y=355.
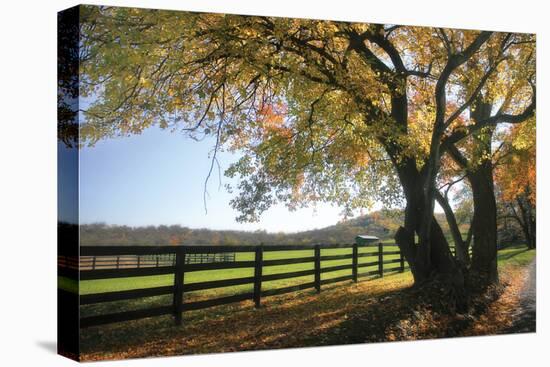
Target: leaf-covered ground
x=378 y=310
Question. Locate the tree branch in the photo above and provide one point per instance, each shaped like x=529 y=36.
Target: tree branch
x=376 y=36
x=473 y=96
x=454 y=61
x=464 y=131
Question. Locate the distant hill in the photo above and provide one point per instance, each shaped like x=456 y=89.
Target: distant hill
x=382 y=224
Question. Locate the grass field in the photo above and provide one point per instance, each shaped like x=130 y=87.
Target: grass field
x=119 y=284
x=513 y=255
x=290 y=320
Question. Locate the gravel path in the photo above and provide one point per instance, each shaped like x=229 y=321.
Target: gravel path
x=527 y=312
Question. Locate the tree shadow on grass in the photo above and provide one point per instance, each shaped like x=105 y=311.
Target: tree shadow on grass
x=295 y=320
x=509 y=255
x=380 y=310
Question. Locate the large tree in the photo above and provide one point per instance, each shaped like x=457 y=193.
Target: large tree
x=319 y=110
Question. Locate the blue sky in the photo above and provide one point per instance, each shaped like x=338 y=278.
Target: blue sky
x=157 y=178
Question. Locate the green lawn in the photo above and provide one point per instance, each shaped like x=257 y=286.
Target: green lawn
x=515 y=256
x=109 y=285
x=510 y=256
x=118 y=284
x=237 y=326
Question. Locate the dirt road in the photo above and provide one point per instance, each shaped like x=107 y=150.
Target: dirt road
x=526 y=313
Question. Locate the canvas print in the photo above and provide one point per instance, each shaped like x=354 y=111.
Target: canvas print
x=233 y=183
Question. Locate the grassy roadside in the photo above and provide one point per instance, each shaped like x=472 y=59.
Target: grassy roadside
x=369 y=311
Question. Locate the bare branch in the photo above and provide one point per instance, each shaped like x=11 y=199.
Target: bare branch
x=450 y=184
x=216 y=148
x=207 y=109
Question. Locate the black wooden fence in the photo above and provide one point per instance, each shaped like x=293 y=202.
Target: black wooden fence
x=181 y=267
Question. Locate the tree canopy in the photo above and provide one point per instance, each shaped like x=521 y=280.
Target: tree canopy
x=309 y=103
x=319 y=111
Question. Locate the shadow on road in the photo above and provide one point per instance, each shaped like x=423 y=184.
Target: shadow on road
x=526 y=315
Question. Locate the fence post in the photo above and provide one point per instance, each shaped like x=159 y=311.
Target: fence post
x=117 y=262
x=318 y=268
x=93 y=263
x=355 y=262
x=402 y=262
x=138 y=260
x=178 y=284
x=157 y=260
x=258 y=265
x=380 y=259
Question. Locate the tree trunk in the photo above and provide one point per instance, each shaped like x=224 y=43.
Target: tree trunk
x=480 y=176
x=433 y=258
x=533 y=223
x=484 y=225
x=527 y=221
x=461 y=247
x=426 y=261
x=533 y=244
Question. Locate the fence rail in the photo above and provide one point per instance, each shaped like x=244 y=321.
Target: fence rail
x=179 y=265
x=147 y=260
x=454 y=252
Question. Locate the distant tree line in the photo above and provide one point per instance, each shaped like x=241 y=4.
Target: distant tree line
x=382 y=224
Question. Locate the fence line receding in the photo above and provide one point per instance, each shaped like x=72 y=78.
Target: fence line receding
x=107 y=262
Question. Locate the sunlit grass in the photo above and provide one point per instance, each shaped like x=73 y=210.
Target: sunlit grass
x=236 y=325
x=117 y=284
x=511 y=256
x=515 y=256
